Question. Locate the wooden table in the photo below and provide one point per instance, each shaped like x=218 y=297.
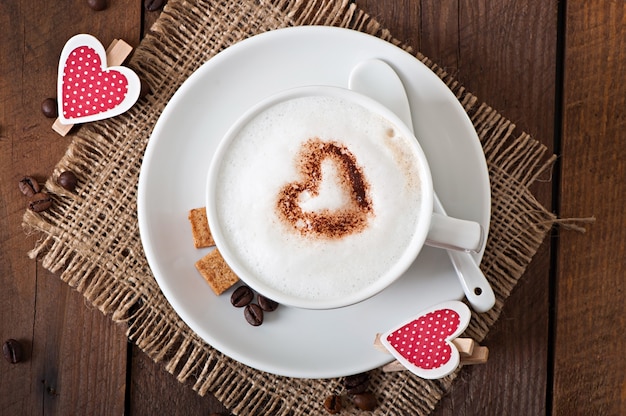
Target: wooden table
x=556 y=69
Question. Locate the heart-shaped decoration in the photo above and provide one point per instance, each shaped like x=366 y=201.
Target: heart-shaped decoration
x=88 y=90
x=423 y=344
x=326 y=223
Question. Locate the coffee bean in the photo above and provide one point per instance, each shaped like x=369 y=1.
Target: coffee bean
x=97 y=5
x=29 y=186
x=12 y=351
x=267 y=304
x=253 y=314
x=333 y=404
x=365 y=401
x=39 y=202
x=49 y=108
x=68 y=180
x=357 y=383
x=153 y=5
x=241 y=297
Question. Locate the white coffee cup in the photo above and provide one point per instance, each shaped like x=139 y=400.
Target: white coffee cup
x=320 y=197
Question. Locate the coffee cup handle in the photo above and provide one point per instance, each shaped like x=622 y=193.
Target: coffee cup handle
x=455 y=234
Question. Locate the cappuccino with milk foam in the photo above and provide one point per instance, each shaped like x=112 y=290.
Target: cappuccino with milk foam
x=318 y=196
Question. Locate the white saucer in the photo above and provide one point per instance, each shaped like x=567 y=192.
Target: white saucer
x=295 y=342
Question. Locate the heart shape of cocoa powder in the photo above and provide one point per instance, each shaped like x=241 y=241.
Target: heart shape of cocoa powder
x=326 y=223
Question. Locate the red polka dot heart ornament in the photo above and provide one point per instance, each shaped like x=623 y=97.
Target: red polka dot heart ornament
x=423 y=344
x=88 y=90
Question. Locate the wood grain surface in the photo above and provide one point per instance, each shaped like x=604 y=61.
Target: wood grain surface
x=556 y=69
x=590 y=360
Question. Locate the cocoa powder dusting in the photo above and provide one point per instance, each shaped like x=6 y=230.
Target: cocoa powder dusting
x=325 y=223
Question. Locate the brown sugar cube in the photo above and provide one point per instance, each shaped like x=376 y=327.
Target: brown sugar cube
x=216 y=272
x=200 y=228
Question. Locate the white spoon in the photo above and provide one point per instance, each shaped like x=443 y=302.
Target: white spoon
x=378 y=80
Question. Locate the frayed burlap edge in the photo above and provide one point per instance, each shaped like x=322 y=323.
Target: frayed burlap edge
x=91 y=238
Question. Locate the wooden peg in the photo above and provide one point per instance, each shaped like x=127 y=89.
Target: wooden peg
x=469 y=352
x=378 y=345
x=393 y=366
x=61 y=128
x=465 y=346
x=480 y=355
x=116 y=54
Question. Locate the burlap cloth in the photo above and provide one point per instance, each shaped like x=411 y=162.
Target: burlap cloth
x=91 y=237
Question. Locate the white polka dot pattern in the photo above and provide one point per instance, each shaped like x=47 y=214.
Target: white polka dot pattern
x=89 y=89
x=422 y=342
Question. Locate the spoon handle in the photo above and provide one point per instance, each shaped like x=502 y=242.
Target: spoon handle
x=378 y=80
x=475 y=286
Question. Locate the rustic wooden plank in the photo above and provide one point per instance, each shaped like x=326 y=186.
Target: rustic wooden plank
x=76 y=358
x=517 y=356
x=401 y=17
x=589 y=355
x=154 y=391
x=439 y=35
x=78 y=353
x=487 y=47
x=16 y=271
x=515 y=73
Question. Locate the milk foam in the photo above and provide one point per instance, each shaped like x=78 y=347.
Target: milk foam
x=261 y=161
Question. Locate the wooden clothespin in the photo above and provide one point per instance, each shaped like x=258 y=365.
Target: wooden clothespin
x=470 y=352
x=428 y=344
x=115 y=55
